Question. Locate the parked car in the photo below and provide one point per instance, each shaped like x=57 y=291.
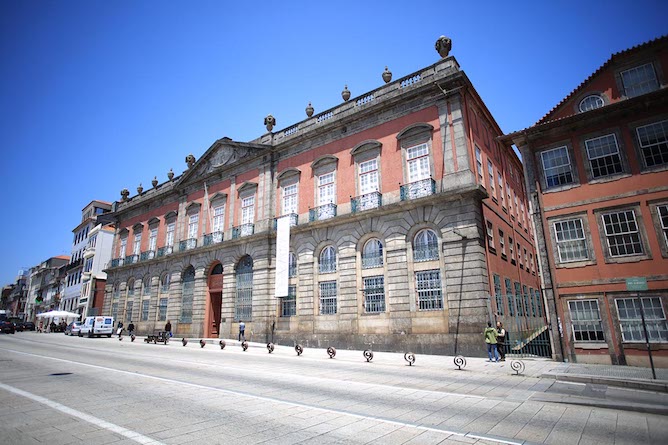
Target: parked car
x=73 y=328
x=28 y=326
x=7 y=327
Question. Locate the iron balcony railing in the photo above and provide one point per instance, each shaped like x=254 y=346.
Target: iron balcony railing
x=368 y=201
x=418 y=189
x=323 y=212
x=115 y=262
x=213 y=238
x=162 y=251
x=147 y=255
x=327 y=265
x=243 y=230
x=425 y=252
x=294 y=218
x=187 y=244
x=370 y=261
x=131 y=259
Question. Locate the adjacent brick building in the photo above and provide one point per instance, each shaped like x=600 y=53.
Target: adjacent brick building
x=596 y=168
x=409 y=229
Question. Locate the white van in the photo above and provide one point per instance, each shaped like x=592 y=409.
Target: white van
x=97 y=326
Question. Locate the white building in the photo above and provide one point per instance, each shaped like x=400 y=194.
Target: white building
x=96 y=257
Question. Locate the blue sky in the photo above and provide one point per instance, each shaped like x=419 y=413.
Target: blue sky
x=96 y=96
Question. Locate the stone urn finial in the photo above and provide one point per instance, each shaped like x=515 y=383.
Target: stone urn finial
x=309 y=110
x=387 y=75
x=190 y=160
x=140 y=189
x=124 y=194
x=155 y=182
x=170 y=174
x=270 y=121
x=345 y=94
x=443 y=46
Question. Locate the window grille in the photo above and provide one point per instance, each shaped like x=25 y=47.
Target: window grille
x=425 y=247
x=328 y=298
x=428 y=284
x=374 y=294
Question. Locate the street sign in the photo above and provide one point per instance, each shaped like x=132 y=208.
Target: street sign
x=636 y=284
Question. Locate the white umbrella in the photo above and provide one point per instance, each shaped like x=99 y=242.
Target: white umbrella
x=61 y=314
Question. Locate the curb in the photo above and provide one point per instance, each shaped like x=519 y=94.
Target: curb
x=642 y=384
x=601 y=403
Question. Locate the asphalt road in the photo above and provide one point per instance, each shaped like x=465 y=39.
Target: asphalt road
x=60 y=390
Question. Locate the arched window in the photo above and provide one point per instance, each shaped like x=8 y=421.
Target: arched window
x=146 y=288
x=292 y=265
x=131 y=288
x=217 y=269
x=372 y=254
x=164 y=296
x=244 y=297
x=165 y=282
x=188 y=282
x=425 y=246
x=591 y=103
x=328 y=260
x=116 y=293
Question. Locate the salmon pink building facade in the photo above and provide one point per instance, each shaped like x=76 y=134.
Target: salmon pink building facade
x=394 y=220
x=597 y=173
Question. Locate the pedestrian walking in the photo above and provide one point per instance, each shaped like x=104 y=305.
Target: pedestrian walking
x=119 y=329
x=131 y=328
x=490 y=339
x=168 y=328
x=242 y=330
x=501 y=340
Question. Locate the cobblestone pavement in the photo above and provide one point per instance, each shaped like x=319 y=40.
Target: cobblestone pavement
x=60 y=390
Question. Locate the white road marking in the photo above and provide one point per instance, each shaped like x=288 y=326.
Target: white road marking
x=284 y=402
x=133 y=435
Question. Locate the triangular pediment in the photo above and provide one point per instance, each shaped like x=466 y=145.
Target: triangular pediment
x=223 y=154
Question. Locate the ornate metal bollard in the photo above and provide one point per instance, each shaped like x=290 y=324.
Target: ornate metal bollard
x=299 y=349
x=244 y=345
x=410 y=358
x=222 y=344
x=460 y=362
x=331 y=351
x=132 y=337
x=202 y=343
x=517 y=366
x=368 y=355
x=270 y=347
x=184 y=341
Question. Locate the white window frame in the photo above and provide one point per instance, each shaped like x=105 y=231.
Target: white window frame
x=563 y=169
x=248 y=210
x=502 y=242
x=623 y=233
x=136 y=245
x=417 y=158
x=631 y=327
x=289 y=202
x=169 y=234
x=648 y=143
x=501 y=193
x=558 y=227
x=490 y=174
x=490 y=235
x=327 y=188
x=591 y=102
x=593 y=320
x=662 y=212
x=642 y=87
x=193 y=226
x=218 y=218
x=153 y=239
x=478 y=165
x=589 y=149
x=368 y=176
x=123 y=247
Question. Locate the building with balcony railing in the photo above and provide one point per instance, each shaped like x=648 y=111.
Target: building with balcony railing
x=388 y=235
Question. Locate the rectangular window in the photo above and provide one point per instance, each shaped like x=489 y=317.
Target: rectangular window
x=526 y=259
x=368 y=172
x=663 y=217
x=490 y=178
x=326 y=189
x=187 y=301
x=621 y=233
x=653 y=141
x=418 y=163
x=144 y=310
x=524 y=219
x=328 y=297
x=604 y=157
x=490 y=235
x=289 y=199
x=169 y=235
x=193 y=226
x=123 y=248
x=517 y=206
x=509 y=297
x=586 y=320
x=501 y=194
x=571 y=241
x=630 y=320
x=510 y=200
x=531 y=263
x=289 y=303
x=525 y=295
x=519 y=255
x=639 y=80
x=153 y=239
x=518 y=299
x=557 y=167
x=532 y=296
x=136 y=246
x=128 y=310
x=114 y=310
x=498 y=294
x=478 y=165
x=162 y=309
x=248 y=210
x=502 y=243
x=218 y=219
x=428 y=284
x=511 y=246
x=374 y=294
x=539 y=303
